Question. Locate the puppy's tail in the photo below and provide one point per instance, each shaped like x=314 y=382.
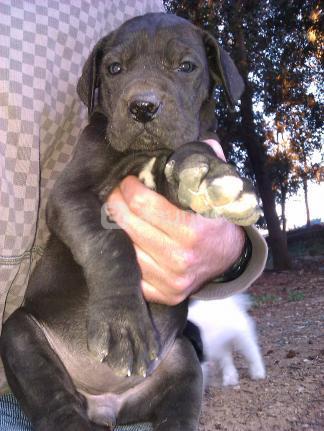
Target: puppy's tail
x=243 y=300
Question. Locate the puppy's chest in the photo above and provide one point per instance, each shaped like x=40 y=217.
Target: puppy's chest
x=147 y=175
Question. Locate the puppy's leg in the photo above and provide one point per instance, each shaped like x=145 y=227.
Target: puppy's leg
x=248 y=346
x=179 y=409
x=176 y=391
x=38 y=378
x=226 y=363
x=170 y=397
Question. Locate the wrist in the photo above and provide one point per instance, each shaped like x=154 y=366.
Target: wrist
x=231 y=245
x=239 y=265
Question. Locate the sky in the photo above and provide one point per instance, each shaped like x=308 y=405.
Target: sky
x=296 y=212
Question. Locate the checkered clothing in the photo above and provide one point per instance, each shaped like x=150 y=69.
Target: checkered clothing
x=43 y=46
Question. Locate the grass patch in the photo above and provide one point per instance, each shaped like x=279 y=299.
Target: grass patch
x=295 y=296
x=268 y=298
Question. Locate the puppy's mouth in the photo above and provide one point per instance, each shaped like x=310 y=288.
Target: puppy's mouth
x=146 y=137
x=163 y=132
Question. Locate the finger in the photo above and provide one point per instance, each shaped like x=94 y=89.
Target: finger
x=148 y=265
x=157 y=210
x=160 y=277
x=156 y=243
x=216 y=146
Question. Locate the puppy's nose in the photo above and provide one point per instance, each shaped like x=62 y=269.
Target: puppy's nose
x=144 y=109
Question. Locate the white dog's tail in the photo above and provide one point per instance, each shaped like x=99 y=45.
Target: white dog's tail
x=243 y=300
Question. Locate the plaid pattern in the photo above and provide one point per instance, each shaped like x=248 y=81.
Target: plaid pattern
x=13 y=419
x=43 y=46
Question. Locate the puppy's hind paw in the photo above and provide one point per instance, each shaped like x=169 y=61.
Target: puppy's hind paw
x=212 y=188
x=258 y=373
x=230 y=377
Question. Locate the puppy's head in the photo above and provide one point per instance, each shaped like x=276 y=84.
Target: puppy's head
x=153 y=78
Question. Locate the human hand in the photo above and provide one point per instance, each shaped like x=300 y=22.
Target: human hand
x=177 y=250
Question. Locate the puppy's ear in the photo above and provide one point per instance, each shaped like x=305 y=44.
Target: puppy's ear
x=223 y=69
x=89 y=80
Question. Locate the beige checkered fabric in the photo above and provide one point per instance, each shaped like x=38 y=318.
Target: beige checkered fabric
x=43 y=46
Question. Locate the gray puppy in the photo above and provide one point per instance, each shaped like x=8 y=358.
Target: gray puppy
x=85 y=351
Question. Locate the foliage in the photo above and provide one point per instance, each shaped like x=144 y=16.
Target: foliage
x=283 y=40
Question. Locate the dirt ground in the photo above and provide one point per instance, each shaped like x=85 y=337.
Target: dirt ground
x=289 y=314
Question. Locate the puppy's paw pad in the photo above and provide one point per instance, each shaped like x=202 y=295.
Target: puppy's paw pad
x=243 y=211
x=224 y=190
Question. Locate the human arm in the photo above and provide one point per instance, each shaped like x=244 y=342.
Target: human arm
x=179 y=251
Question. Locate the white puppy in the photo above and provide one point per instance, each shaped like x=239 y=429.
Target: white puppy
x=226 y=326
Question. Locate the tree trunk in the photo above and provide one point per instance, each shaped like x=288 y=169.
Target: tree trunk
x=283 y=214
x=254 y=146
x=305 y=187
x=283 y=211
x=256 y=153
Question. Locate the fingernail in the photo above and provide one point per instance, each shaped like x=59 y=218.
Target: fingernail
x=216 y=146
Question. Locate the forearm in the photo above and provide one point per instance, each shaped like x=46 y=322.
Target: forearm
x=74 y=215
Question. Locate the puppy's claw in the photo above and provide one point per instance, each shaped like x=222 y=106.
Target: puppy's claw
x=103 y=356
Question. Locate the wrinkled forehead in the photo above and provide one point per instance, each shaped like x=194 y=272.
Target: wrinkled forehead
x=158 y=34
x=153 y=22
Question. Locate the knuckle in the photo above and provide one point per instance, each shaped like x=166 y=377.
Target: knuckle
x=136 y=203
x=193 y=237
x=184 y=260
x=176 y=299
x=181 y=284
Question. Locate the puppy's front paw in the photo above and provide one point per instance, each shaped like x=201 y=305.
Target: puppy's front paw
x=212 y=188
x=123 y=337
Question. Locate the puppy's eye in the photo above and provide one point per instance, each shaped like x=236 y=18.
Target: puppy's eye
x=187 y=67
x=114 y=68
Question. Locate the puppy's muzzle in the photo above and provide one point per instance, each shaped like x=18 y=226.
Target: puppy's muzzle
x=144 y=107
